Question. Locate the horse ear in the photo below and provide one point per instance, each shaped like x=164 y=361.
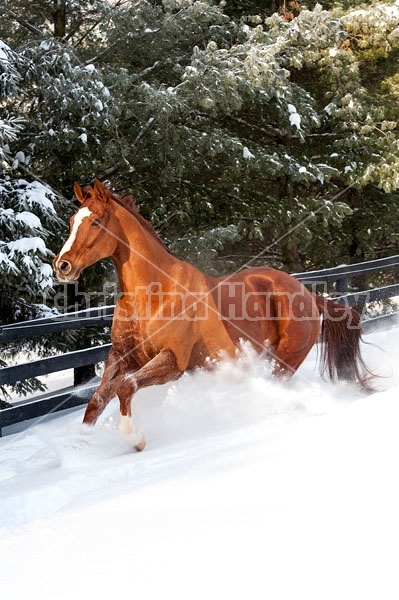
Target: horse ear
x=101 y=191
x=79 y=192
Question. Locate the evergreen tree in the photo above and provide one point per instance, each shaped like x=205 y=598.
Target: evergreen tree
x=219 y=120
x=264 y=128
x=243 y=129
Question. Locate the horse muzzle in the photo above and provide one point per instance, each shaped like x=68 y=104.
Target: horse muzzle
x=65 y=271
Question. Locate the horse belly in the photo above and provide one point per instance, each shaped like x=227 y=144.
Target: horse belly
x=246 y=313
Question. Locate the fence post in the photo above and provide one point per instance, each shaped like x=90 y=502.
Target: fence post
x=341 y=285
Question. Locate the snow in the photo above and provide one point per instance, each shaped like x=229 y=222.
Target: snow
x=29 y=219
x=247 y=488
x=32 y=211
x=45 y=276
x=381 y=10
x=295 y=120
x=20 y=157
x=329 y=108
x=6 y=213
x=6 y=264
x=27 y=244
x=36 y=193
x=4 y=50
x=98 y=105
x=295 y=117
x=247 y=154
x=46 y=44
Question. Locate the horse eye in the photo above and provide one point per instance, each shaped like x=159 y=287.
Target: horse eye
x=96 y=222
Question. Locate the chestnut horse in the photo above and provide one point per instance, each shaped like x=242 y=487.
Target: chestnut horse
x=170 y=317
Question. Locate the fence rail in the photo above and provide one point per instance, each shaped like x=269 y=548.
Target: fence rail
x=74 y=320
x=53 y=364
x=347 y=271
x=102 y=316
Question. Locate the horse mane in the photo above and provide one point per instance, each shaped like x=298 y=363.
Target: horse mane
x=130 y=205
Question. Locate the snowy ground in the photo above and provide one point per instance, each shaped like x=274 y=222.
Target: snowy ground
x=247 y=489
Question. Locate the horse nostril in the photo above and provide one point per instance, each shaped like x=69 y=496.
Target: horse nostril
x=65 y=267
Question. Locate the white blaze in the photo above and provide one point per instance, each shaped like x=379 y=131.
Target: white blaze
x=80 y=215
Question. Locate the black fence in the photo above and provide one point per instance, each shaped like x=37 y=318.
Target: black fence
x=338 y=279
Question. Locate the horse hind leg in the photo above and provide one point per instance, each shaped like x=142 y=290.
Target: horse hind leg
x=285 y=363
x=298 y=330
x=293 y=347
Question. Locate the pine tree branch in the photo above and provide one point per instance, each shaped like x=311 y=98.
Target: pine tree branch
x=94 y=59
x=27 y=171
x=3 y=403
x=143 y=130
x=269 y=130
x=123 y=161
x=107 y=172
x=95 y=24
x=145 y=72
x=84 y=36
x=24 y=23
x=74 y=30
x=272 y=255
x=208 y=190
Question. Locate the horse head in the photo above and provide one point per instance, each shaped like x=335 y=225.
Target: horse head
x=91 y=236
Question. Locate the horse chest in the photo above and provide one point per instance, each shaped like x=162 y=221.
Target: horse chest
x=131 y=341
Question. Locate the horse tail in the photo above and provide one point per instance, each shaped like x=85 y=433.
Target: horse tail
x=341 y=334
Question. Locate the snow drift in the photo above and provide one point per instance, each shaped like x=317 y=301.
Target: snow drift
x=247 y=488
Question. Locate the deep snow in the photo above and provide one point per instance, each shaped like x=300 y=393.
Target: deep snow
x=247 y=489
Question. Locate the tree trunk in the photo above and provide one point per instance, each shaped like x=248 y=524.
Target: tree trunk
x=59 y=16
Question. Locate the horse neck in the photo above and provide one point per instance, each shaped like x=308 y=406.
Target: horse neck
x=140 y=259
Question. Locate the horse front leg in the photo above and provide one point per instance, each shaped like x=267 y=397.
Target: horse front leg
x=115 y=369
x=161 y=369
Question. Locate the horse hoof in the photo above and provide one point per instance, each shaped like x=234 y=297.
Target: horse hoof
x=141 y=445
x=138 y=441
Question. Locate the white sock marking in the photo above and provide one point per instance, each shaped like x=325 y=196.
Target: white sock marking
x=126 y=425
